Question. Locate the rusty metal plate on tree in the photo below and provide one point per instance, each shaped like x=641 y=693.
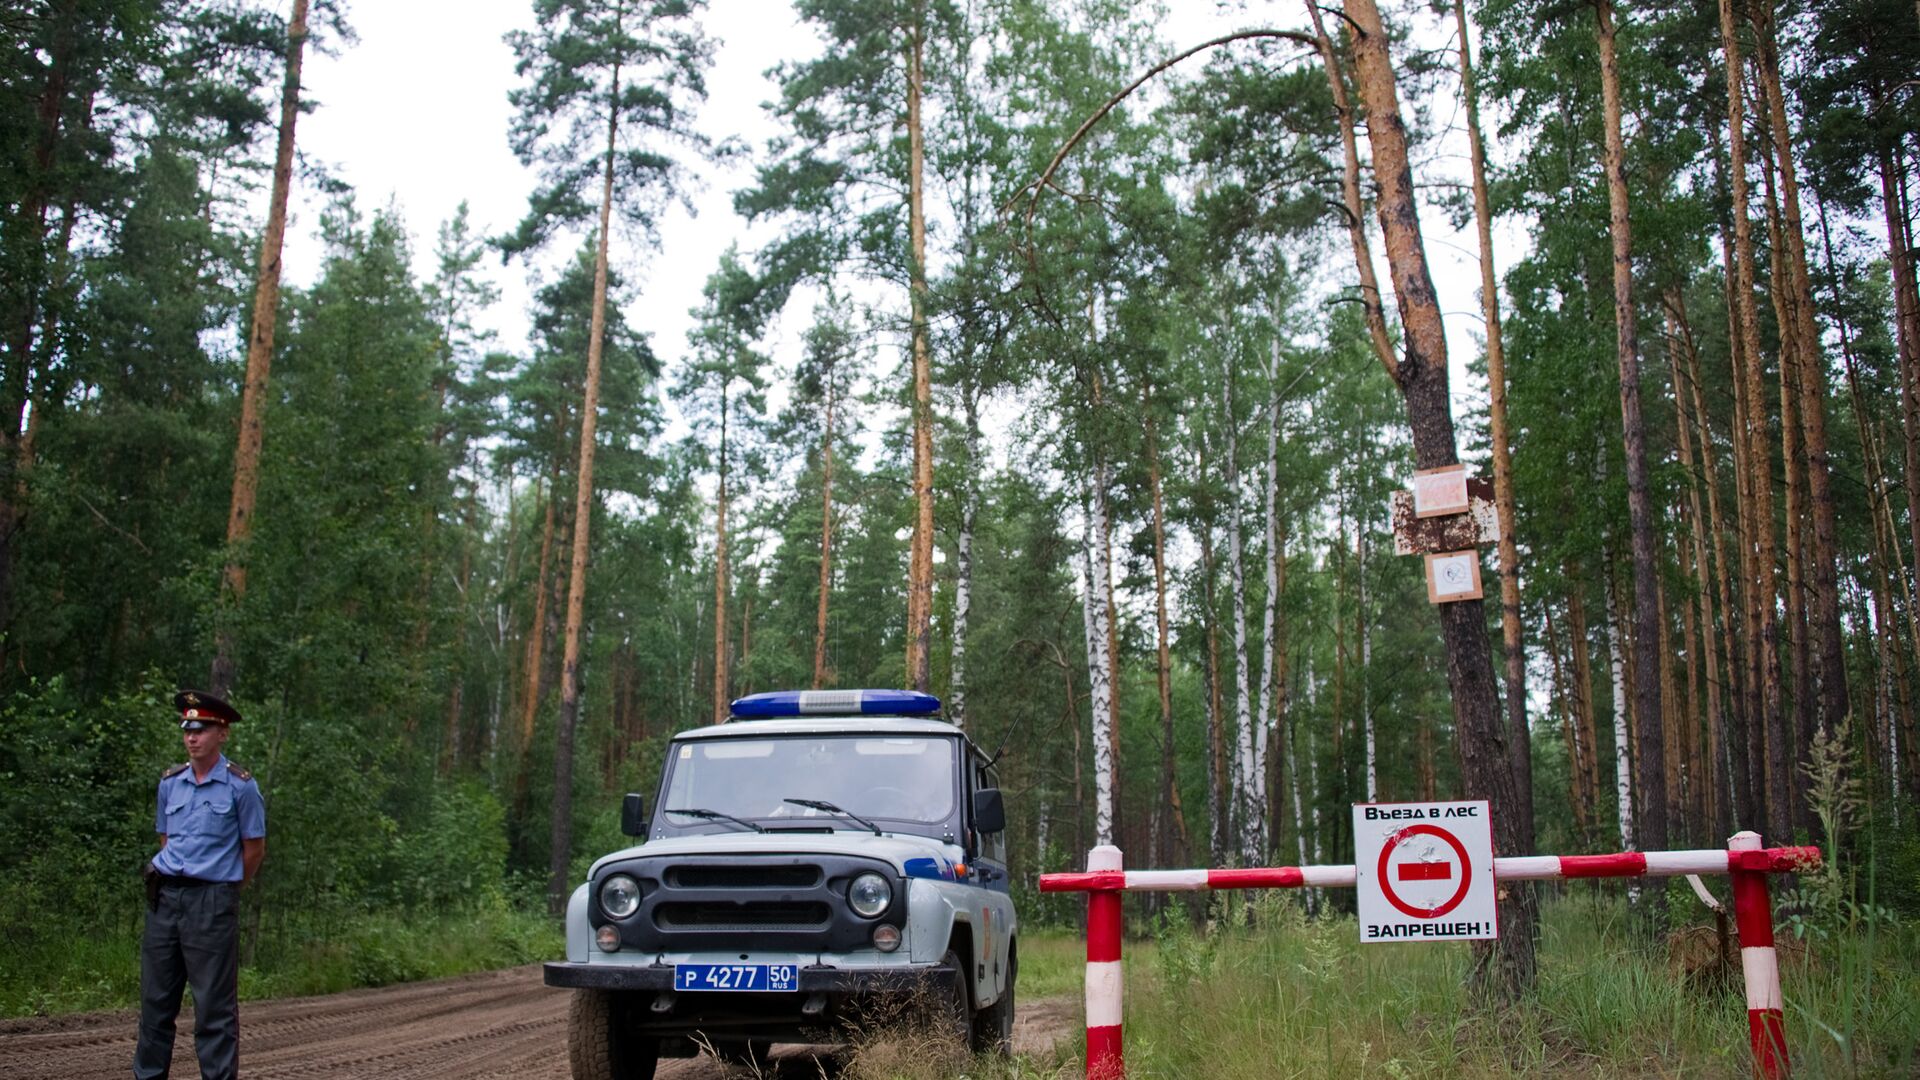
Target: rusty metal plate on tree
x=1453 y=532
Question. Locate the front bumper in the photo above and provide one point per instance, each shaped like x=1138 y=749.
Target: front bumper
x=830 y=1002
x=819 y=979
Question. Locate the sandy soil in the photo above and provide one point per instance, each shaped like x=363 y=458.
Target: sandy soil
x=503 y=1024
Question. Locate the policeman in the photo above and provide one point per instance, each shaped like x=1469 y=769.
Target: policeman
x=213 y=829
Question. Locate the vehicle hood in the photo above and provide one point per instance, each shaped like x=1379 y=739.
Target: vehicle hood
x=913 y=856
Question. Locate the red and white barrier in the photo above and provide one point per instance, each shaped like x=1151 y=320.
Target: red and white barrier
x=1744 y=860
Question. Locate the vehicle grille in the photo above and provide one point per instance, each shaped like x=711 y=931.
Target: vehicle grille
x=743 y=877
x=754 y=915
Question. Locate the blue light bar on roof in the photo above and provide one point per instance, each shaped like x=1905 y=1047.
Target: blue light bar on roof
x=779 y=703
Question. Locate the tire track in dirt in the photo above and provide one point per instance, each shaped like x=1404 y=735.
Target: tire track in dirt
x=504 y=1024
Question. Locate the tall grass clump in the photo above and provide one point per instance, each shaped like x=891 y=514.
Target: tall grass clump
x=1263 y=991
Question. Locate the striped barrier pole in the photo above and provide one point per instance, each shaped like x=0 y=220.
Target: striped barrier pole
x=1744 y=860
x=1753 y=911
x=1105 y=924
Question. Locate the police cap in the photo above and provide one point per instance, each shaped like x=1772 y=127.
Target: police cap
x=199 y=708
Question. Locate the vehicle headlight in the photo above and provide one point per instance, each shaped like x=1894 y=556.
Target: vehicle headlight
x=869 y=894
x=619 y=896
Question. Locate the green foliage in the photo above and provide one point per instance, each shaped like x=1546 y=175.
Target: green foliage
x=1293 y=998
x=1143 y=336
x=640 y=64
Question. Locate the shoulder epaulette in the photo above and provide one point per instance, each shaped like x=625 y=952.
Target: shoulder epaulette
x=238 y=772
x=176 y=770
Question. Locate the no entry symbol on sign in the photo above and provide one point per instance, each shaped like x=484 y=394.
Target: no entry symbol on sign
x=1425 y=871
x=1425 y=867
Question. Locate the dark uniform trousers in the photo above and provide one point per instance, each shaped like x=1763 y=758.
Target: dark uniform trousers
x=192 y=938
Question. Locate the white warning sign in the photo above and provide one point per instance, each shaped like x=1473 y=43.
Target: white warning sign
x=1424 y=871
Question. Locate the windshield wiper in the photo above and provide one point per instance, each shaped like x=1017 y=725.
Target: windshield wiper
x=715 y=815
x=820 y=804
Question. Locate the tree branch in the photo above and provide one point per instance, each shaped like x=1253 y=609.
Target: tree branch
x=1038 y=186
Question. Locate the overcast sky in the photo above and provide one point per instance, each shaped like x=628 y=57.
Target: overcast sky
x=416 y=113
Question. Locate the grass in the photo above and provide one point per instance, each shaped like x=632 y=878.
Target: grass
x=1266 y=992
x=100 y=969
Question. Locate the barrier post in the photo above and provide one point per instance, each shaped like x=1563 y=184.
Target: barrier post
x=1105 y=923
x=1753 y=911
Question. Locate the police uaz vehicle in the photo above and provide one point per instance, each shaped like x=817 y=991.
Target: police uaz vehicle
x=825 y=860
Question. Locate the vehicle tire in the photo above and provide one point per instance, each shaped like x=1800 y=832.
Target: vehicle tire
x=993 y=1025
x=753 y=1054
x=600 y=1042
x=951 y=1014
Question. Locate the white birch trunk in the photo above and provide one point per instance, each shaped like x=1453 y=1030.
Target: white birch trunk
x=1622 y=770
x=1214 y=809
x=1269 y=616
x=1313 y=791
x=1293 y=779
x=1094 y=613
x=963 y=573
x=1243 y=696
x=1366 y=666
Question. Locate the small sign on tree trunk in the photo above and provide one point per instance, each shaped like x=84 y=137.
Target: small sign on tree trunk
x=1440 y=491
x=1453 y=575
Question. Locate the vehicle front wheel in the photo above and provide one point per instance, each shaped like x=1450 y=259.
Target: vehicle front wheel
x=951 y=1015
x=601 y=1043
x=993 y=1025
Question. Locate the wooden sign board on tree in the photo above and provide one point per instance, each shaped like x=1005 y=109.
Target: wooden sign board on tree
x=1413 y=535
x=1441 y=491
x=1453 y=575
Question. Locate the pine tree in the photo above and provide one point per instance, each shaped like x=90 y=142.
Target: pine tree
x=599 y=66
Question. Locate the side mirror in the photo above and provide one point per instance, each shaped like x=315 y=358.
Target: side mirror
x=633 y=815
x=989 y=812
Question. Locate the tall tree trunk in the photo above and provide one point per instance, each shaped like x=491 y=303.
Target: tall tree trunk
x=1280 y=752
x=1829 y=657
x=1650 y=765
x=721 y=577
x=23 y=295
x=1624 y=794
x=1219 y=801
x=1094 y=614
x=1486 y=762
x=1350 y=203
x=963 y=561
x=1679 y=718
x=826 y=566
x=1516 y=658
x=560 y=850
x=253 y=395
x=1363 y=624
x=1887 y=561
x=1569 y=734
x=1797 y=734
x=1175 y=845
x=920 y=565
x=1712 y=809
x=1243 y=809
x=1270 y=653
x=1906 y=331
x=1770 y=797
x=537 y=630
x=1587 y=728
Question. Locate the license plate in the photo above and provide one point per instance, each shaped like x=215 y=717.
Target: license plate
x=778 y=977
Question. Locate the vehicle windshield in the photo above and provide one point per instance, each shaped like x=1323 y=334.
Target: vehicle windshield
x=893 y=779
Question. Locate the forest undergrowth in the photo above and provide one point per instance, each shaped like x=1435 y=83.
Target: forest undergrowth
x=1261 y=990
x=81 y=972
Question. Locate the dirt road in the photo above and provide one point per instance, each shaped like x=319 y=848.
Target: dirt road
x=502 y=1024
